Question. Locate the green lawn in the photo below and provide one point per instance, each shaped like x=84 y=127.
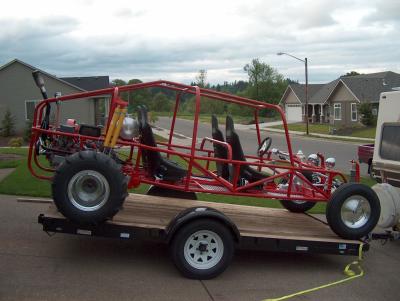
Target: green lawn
x=358 y=131
x=206 y=118
x=21 y=182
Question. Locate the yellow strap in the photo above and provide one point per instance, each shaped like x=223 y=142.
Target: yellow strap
x=348 y=271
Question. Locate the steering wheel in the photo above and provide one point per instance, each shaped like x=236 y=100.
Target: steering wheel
x=264 y=146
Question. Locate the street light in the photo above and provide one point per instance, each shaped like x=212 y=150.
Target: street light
x=306 y=86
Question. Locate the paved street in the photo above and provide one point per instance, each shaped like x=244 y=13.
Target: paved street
x=34 y=266
x=342 y=151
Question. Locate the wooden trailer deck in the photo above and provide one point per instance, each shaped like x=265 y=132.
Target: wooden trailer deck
x=151 y=212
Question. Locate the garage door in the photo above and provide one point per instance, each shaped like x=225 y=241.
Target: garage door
x=293 y=113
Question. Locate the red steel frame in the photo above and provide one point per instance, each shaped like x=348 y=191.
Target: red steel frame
x=207 y=181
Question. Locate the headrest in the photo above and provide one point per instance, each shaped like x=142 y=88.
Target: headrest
x=142 y=115
x=214 y=123
x=139 y=116
x=230 y=128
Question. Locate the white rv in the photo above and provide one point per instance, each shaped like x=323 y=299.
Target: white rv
x=386 y=159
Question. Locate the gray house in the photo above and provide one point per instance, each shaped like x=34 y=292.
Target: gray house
x=19 y=94
x=337 y=102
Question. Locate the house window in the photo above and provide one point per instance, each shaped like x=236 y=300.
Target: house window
x=30 y=108
x=353 y=112
x=390 y=142
x=337 y=111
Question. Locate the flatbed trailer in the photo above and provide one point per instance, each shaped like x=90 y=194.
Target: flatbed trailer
x=167 y=219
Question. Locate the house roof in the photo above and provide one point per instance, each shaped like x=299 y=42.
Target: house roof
x=299 y=90
x=41 y=71
x=364 y=87
x=368 y=87
x=89 y=83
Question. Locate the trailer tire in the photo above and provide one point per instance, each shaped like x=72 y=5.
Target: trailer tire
x=89 y=187
x=353 y=210
x=202 y=249
x=298 y=206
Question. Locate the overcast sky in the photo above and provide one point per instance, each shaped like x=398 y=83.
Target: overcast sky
x=173 y=39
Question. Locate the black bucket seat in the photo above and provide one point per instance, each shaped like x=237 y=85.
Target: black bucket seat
x=246 y=172
x=155 y=164
x=219 y=150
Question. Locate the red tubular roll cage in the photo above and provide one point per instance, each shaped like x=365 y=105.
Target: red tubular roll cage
x=207 y=181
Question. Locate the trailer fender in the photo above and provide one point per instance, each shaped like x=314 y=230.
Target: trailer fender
x=194 y=213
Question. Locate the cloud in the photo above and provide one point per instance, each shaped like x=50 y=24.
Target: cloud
x=152 y=40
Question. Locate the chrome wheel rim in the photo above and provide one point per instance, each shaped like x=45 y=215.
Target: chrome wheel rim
x=355 y=211
x=88 y=190
x=299 y=202
x=203 y=249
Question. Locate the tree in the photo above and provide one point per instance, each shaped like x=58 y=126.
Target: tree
x=367 y=118
x=351 y=73
x=8 y=124
x=265 y=83
x=201 y=78
x=161 y=103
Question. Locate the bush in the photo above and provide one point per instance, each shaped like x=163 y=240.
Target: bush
x=27 y=131
x=16 y=142
x=153 y=117
x=367 y=118
x=7 y=124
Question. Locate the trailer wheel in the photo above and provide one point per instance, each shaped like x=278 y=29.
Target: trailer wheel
x=202 y=249
x=353 y=210
x=298 y=206
x=89 y=187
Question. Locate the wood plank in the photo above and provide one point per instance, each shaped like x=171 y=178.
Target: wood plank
x=156 y=212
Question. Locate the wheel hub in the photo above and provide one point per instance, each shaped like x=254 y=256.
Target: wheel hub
x=88 y=190
x=203 y=249
x=355 y=212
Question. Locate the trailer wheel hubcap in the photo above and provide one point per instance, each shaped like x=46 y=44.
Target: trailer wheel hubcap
x=203 y=249
x=356 y=211
x=88 y=190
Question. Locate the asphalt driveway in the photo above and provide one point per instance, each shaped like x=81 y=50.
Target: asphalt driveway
x=34 y=266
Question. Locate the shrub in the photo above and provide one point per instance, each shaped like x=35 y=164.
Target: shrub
x=16 y=142
x=27 y=130
x=367 y=118
x=153 y=117
x=8 y=124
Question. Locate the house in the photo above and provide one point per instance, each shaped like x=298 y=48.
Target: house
x=337 y=102
x=19 y=94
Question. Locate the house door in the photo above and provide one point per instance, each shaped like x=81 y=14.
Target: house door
x=293 y=112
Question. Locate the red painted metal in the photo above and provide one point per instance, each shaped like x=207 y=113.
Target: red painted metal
x=199 y=178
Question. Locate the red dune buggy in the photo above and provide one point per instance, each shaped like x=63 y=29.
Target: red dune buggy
x=92 y=168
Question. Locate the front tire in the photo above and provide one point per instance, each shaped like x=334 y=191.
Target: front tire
x=298 y=206
x=89 y=187
x=202 y=249
x=353 y=210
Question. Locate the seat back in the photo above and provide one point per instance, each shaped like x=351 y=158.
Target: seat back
x=246 y=171
x=233 y=139
x=151 y=158
x=219 y=150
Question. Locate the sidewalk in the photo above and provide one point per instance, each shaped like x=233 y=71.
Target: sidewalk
x=268 y=126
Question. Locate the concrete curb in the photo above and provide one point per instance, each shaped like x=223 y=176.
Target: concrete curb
x=335 y=137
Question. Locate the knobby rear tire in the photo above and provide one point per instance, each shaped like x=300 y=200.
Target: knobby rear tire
x=83 y=176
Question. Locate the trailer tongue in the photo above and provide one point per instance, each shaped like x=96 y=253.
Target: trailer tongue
x=202 y=235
